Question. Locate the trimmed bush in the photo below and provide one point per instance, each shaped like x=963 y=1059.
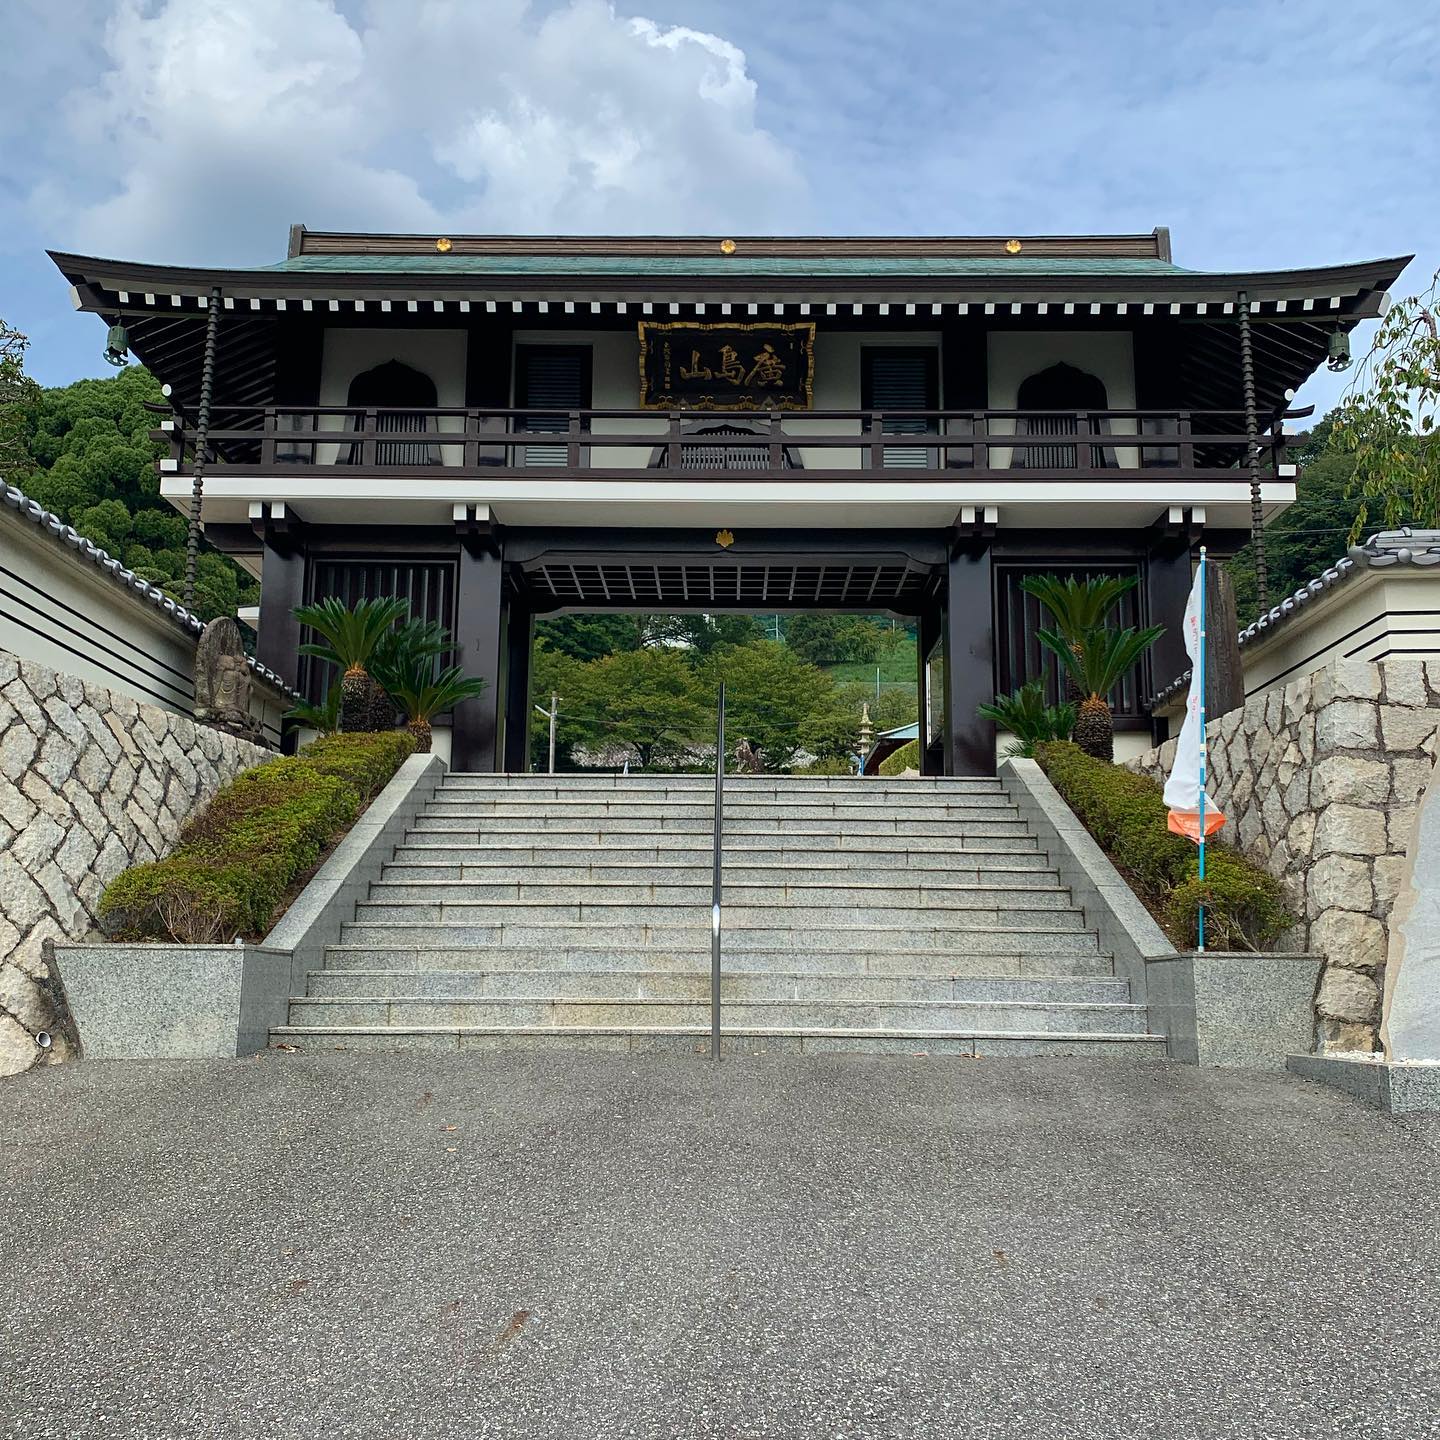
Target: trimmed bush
x=364 y=762
x=907 y=757
x=237 y=859
x=1126 y=813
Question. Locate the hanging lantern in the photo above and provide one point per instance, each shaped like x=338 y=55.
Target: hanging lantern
x=117 y=343
x=1337 y=356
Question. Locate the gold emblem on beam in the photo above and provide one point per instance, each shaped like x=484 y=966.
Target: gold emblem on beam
x=444 y=245
x=1012 y=247
x=724 y=539
x=727 y=247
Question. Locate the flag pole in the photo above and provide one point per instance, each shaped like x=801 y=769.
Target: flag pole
x=1203 y=585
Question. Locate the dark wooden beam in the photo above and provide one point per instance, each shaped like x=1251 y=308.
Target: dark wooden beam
x=969 y=636
x=519 y=643
x=475 y=734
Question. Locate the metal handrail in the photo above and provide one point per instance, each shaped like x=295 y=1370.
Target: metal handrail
x=715 y=875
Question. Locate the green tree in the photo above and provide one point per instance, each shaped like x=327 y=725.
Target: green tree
x=589 y=637
x=18 y=396
x=646 y=699
x=89 y=457
x=1386 y=423
x=771 y=697
x=699 y=636
x=553 y=672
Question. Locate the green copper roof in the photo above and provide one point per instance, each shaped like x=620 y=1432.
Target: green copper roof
x=641 y=265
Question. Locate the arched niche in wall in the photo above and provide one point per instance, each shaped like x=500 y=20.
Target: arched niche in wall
x=392 y=388
x=1061 y=387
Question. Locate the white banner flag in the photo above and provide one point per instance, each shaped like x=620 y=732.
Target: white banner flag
x=1182 y=789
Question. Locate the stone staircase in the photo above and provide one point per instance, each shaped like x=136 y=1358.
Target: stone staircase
x=882 y=916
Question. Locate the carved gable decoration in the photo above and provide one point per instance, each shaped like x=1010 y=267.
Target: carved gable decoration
x=685 y=366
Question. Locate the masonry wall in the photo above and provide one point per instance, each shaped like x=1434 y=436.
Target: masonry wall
x=91 y=781
x=1320 y=781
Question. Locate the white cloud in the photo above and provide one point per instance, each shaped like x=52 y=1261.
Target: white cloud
x=213 y=124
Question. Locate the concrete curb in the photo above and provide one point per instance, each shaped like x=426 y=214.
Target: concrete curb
x=1126 y=928
x=215 y=1002
x=1236 y=1008
x=1391 y=1086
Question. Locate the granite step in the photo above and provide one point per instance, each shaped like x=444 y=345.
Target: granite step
x=694 y=985
x=510 y=1012
x=694 y=867
x=694 y=1040
x=1068 y=939
x=770 y=843
x=1033 y=890
x=539 y=825
x=1046 y=956
x=986 y=914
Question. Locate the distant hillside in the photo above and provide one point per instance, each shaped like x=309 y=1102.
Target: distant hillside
x=92 y=462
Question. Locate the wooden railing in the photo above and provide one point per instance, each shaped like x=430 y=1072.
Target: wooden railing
x=1108 y=445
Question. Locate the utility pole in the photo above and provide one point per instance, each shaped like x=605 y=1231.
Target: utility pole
x=552 y=714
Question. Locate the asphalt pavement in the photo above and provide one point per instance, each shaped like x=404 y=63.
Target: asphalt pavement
x=559 y=1245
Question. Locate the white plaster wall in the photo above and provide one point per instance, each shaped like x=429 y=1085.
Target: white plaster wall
x=440 y=354
x=58 y=609
x=1014 y=355
x=1370 y=616
x=615 y=360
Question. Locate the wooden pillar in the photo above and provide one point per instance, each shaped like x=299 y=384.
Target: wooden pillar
x=475 y=727
x=282 y=588
x=519 y=640
x=969 y=661
x=1167 y=587
x=932 y=762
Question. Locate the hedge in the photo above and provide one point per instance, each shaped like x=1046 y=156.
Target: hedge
x=907 y=757
x=1126 y=813
x=237 y=858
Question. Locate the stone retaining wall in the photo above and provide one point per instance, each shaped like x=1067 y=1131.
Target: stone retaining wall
x=90 y=782
x=1319 y=781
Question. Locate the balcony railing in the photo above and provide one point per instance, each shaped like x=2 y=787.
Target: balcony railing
x=814 y=445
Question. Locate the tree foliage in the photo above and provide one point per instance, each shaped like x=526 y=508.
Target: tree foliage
x=646 y=700
x=88 y=456
x=18 y=395
x=1387 y=421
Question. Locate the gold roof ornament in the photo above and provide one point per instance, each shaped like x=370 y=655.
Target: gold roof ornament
x=727 y=247
x=444 y=245
x=1012 y=247
x=724 y=539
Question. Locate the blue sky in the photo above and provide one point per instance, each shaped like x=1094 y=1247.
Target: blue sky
x=1288 y=133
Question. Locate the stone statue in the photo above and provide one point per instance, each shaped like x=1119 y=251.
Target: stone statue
x=747 y=762
x=222 y=681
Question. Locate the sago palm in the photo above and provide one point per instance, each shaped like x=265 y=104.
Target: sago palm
x=422 y=694
x=1098 y=662
x=351 y=635
x=399 y=656
x=1029 y=719
x=324 y=717
x=1077 y=606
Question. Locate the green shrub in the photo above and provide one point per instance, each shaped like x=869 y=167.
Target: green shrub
x=907 y=757
x=1126 y=813
x=831 y=765
x=364 y=762
x=238 y=857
